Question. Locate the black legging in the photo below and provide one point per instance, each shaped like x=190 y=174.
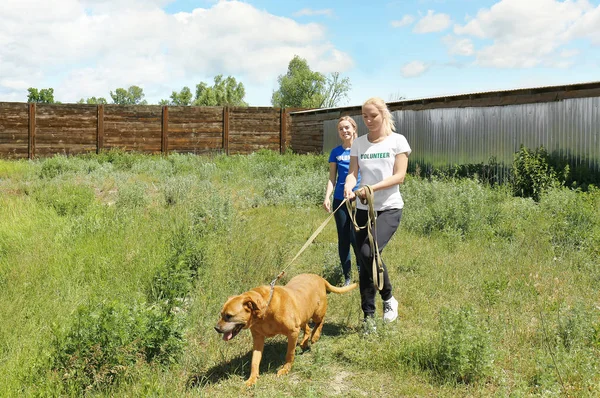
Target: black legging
x=346 y=237
x=387 y=224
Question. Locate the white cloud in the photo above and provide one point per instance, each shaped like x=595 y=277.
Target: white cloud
x=588 y=26
x=310 y=12
x=432 y=22
x=457 y=46
x=569 y=53
x=523 y=34
x=406 y=20
x=88 y=48
x=414 y=69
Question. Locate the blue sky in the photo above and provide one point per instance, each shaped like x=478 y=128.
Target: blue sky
x=404 y=48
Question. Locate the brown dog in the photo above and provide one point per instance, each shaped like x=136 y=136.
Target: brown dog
x=291 y=308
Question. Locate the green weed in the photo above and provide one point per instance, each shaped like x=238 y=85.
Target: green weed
x=65 y=198
x=464 y=352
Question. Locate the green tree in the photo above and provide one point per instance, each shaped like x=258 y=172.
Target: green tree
x=182 y=98
x=335 y=90
x=224 y=92
x=132 y=96
x=43 y=96
x=301 y=87
x=93 y=101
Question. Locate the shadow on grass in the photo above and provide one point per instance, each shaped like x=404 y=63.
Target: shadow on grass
x=272 y=359
x=334 y=329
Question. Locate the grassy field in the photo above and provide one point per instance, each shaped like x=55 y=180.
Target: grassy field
x=113 y=269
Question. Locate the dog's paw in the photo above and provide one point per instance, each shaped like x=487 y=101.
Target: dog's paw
x=284 y=370
x=303 y=348
x=251 y=381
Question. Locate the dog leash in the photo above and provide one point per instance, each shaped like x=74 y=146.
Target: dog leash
x=371 y=226
x=308 y=242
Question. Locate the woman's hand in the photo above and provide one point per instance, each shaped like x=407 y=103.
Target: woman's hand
x=348 y=193
x=327 y=205
x=361 y=193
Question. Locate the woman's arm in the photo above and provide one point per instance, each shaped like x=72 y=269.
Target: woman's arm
x=351 y=178
x=330 y=185
x=400 y=167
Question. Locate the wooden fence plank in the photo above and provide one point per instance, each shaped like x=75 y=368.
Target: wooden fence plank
x=31 y=130
x=226 y=130
x=165 y=130
x=100 y=129
x=283 y=130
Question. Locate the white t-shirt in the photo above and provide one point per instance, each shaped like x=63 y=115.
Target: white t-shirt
x=375 y=163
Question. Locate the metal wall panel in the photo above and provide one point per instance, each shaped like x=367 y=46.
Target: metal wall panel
x=453 y=136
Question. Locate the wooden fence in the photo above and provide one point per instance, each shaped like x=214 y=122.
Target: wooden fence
x=29 y=130
x=40 y=130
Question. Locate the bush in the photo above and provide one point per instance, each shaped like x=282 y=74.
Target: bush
x=289 y=179
x=107 y=340
x=65 y=198
x=485 y=173
x=532 y=174
x=121 y=160
x=203 y=167
x=100 y=347
x=55 y=166
x=573 y=219
x=132 y=195
x=463 y=207
x=177 y=189
x=464 y=354
x=173 y=282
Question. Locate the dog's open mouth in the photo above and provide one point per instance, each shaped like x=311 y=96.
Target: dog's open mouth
x=231 y=334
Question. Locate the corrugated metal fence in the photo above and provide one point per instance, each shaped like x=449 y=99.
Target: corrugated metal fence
x=472 y=135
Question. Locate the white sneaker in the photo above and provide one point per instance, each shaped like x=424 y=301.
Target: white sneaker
x=390 y=310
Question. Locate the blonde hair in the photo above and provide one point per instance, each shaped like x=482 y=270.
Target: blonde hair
x=389 y=126
x=351 y=121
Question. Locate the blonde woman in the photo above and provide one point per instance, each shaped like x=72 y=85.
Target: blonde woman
x=339 y=161
x=381 y=157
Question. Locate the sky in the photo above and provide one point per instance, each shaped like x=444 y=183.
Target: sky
x=409 y=49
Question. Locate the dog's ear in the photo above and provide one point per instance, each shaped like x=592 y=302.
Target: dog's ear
x=255 y=303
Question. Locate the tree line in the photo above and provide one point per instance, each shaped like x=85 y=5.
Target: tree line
x=300 y=87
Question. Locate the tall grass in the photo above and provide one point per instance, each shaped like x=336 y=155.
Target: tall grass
x=113 y=269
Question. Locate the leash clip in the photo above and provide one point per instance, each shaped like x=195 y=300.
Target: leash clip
x=274 y=281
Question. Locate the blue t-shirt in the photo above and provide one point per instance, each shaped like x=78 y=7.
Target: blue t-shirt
x=341 y=157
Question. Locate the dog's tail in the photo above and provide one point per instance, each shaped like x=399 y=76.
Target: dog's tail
x=335 y=289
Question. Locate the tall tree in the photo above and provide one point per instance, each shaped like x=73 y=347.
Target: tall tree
x=93 y=101
x=301 y=87
x=132 y=96
x=335 y=90
x=224 y=92
x=43 y=96
x=182 y=98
